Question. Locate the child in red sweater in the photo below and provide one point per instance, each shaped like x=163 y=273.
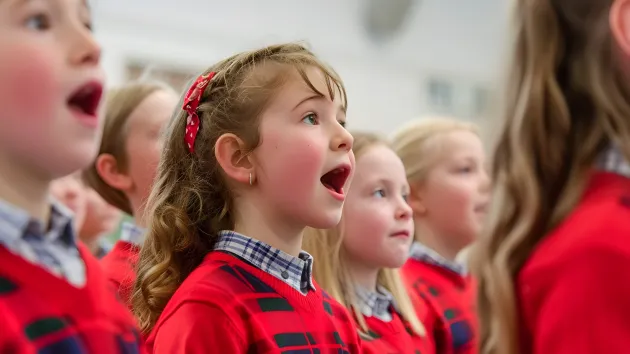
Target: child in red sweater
x=54 y=297
x=357 y=261
x=124 y=170
x=552 y=269
x=258 y=152
x=444 y=162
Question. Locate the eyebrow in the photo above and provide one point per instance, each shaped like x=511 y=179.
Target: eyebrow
x=317 y=97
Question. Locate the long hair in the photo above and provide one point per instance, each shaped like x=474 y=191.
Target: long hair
x=190 y=201
x=330 y=268
x=567 y=99
x=121 y=102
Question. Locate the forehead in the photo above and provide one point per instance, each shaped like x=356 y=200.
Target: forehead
x=379 y=162
x=460 y=143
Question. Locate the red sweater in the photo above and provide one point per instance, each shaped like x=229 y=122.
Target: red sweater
x=228 y=304
x=46 y=314
x=119 y=266
x=393 y=337
x=574 y=292
x=445 y=303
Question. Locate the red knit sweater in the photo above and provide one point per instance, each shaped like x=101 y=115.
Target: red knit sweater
x=393 y=337
x=228 y=304
x=445 y=303
x=119 y=267
x=42 y=313
x=574 y=292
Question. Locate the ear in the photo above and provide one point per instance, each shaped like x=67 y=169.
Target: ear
x=416 y=201
x=619 y=19
x=233 y=158
x=107 y=168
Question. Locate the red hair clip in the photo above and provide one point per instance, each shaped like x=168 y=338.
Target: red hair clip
x=191 y=102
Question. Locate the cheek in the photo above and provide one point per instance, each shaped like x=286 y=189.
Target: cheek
x=364 y=227
x=292 y=160
x=30 y=88
x=143 y=158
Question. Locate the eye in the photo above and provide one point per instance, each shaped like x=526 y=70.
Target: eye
x=310 y=119
x=38 y=22
x=405 y=197
x=465 y=169
x=379 y=193
x=342 y=123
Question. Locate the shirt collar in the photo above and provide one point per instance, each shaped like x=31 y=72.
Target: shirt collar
x=15 y=223
x=295 y=271
x=377 y=303
x=423 y=253
x=612 y=160
x=132 y=233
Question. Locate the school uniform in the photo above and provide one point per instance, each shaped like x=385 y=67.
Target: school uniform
x=444 y=296
x=248 y=297
x=388 y=331
x=573 y=292
x=54 y=298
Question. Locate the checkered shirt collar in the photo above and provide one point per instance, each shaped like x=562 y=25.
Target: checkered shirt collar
x=612 y=160
x=295 y=271
x=423 y=253
x=132 y=233
x=16 y=223
x=377 y=303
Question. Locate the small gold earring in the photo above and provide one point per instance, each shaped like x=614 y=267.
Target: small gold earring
x=250 y=179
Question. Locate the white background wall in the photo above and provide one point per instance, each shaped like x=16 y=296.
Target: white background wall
x=459 y=41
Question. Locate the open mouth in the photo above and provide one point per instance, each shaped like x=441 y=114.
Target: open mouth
x=335 y=179
x=87 y=98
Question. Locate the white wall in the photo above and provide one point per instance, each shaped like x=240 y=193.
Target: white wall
x=460 y=40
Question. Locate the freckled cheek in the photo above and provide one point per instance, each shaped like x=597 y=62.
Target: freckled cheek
x=293 y=160
x=30 y=91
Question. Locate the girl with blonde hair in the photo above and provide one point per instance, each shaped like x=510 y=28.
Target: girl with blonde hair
x=444 y=162
x=553 y=266
x=357 y=261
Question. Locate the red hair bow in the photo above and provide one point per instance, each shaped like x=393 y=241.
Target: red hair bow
x=191 y=102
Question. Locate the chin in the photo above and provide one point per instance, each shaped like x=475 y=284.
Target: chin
x=71 y=161
x=325 y=221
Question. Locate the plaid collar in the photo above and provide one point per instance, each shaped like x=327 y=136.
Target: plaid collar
x=612 y=160
x=132 y=233
x=16 y=223
x=423 y=253
x=295 y=271
x=377 y=303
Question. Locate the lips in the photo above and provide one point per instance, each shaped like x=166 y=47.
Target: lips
x=335 y=179
x=401 y=233
x=86 y=99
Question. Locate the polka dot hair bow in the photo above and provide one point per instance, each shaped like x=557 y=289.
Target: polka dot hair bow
x=191 y=103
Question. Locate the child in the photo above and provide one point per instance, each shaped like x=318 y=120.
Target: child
x=553 y=267
x=101 y=219
x=444 y=162
x=123 y=172
x=357 y=260
x=53 y=295
x=70 y=192
x=258 y=152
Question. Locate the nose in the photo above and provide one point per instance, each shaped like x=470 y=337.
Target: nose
x=403 y=211
x=342 y=140
x=84 y=50
x=485 y=184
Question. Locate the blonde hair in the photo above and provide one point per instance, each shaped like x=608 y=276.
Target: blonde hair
x=330 y=268
x=416 y=143
x=567 y=99
x=121 y=102
x=190 y=201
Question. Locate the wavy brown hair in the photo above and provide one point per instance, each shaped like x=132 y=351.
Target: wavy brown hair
x=567 y=100
x=190 y=201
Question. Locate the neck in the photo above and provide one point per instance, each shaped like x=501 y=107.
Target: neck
x=19 y=187
x=138 y=208
x=362 y=275
x=255 y=220
x=434 y=241
x=92 y=245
